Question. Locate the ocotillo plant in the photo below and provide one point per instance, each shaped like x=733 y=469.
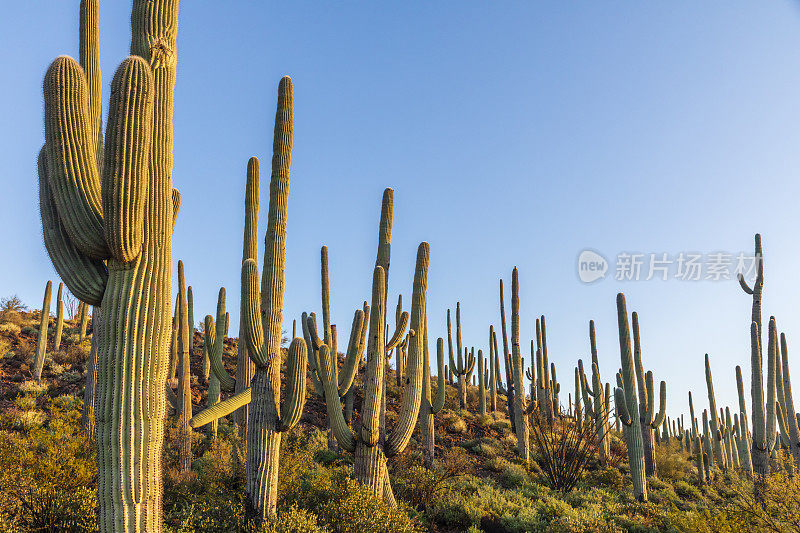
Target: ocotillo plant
x=370 y=452
x=124 y=213
x=183 y=409
x=627 y=405
x=648 y=418
x=463 y=366
x=59 y=318
x=41 y=338
x=717 y=428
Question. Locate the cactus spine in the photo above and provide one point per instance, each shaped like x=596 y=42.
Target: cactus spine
x=463 y=366
x=183 y=410
x=627 y=405
x=41 y=339
x=370 y=452
x=59 y=318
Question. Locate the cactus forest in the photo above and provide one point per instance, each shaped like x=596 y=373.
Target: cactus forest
x=145 y=395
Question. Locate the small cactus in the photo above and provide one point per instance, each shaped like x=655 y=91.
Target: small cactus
x=59 y=318
x=41 y=339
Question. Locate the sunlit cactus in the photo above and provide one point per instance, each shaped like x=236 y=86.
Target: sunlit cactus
x=59 y=318
x=462 y=364
x=627 y=405
x=41 y=338
x=370 y=452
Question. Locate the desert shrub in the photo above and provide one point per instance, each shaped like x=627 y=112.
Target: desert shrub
x=71 y=377
x=671 y=464
x=25 y=402
x=513 y=476
x=10 y=328
x=776 y=509
x=26 y=350
x=73 y=354
x=685 y=490
x=609 y=477
x=502 y=424
x=29 y=330
x=420 y=486
x=5 y=348
x=293 y=520
x=12 y=304
x=453 y=423
x=498 y=464
x=485 y=421
x=47 y=472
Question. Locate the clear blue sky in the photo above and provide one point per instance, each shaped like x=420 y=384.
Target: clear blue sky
x=513 y=134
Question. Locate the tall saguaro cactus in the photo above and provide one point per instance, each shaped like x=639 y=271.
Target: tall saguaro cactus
x=520 y=411
x=649 y=418
x=430 y=407
x=508 y=364
x=41 y=339
x=493 y=376
x=116 y=204
x=462 y=366
x=627 y=404
x=214 y=344
x=370 y=451
x=788 y=402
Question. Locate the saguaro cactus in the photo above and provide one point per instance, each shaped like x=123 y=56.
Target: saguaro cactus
x=214 y=343
x=520 y=411
x=41 y=339
x=429 y=407
x=90 y=385
x=789 y=410
x=508 y=364
x=481 y=386
x=649 y=420
x=124 y=213
x=627 y=404
x=718 y=431
x=370 y=452
x=596 y=403
x=463 y=366
x=59 y=318
x=183 y=409
x=84 y=318
x=263 y=317
x=764 y=417
x=493 y=376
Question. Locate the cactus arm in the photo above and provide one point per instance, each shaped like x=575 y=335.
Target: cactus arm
x=453 y=367
x=251 y=316
x=641 y=379
x=89 y=57
x=86 y=278
x=313 y=357
x=316 y=342
x=587 y=402
x=662 y=404
x=176 y=206
x=528 y=374
x=353 y=355
x=470 y=363
x=459 y=346
x=72 y=171
x=292 y=404
x=221 y=409
x=622 y=409
x=584 y=380
x=400 y=435
x=743 y=284
x=399 y=332
x=338 y=425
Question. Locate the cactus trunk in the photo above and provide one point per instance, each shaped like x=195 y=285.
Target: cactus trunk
x=59 y=318
x=41 y=339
